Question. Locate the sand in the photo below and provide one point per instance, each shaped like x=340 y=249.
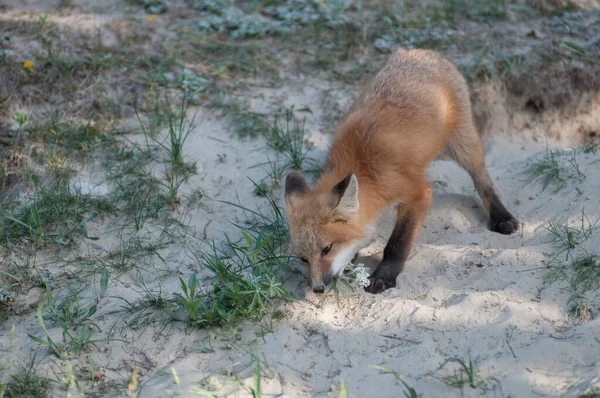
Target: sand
x=466 y=292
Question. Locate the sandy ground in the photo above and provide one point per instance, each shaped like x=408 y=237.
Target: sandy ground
x=465 y=292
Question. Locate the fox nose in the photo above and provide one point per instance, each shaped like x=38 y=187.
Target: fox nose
x=319 y=289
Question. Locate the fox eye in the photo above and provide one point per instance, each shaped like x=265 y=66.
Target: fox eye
x=303 y=260
x=326 y=250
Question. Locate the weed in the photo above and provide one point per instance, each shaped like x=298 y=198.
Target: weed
x=69 y=138
x=554 y=169
x=20 y=118
x=409 y=392
x=580 y=269
x=260 y=370
x=568 y=238
x=590 y=148
x=128 y=254
x=245 y=282
x=287 y=137
x=508 y=337
x=261 y=189
x=75 y=321
x=55 y=214
x=26 y=382
x=178 y=132
x=190 y=300
x=229 y=56
x=275 y=172
x=54 y=348
x=153 y=307
x=138 y=194
x=582 y=275
x=458 y=380
x=242 y=121
x=222 y=157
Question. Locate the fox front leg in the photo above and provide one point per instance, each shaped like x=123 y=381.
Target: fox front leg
x=408 y=225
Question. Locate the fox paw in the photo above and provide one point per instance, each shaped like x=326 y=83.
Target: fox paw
x=505 y=226
x=378 y=285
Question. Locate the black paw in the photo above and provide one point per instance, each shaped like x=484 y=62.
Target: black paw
x=378 y=285
x=506 y=225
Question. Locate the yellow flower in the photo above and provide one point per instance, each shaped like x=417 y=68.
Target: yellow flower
x=152 y=18
x=28 y=65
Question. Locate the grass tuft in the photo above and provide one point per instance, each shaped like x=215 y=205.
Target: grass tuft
x=409 y=392
x=466 y=374
x=579 y=268
x=287 y=137
x=555 y=168
x=54 y=214
x=26 y=382
x=246 y=281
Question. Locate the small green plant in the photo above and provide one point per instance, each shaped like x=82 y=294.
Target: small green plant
x=26 y=382
x=579 y=267
x=287 y=137
x=20 y=118
x=190 y=300
x=555 y=168
x=409 y=392
x=275 y=172
x=222 y=157
x=138 y=194
x=458 y=379
x=246 y=280
x=56 y=214
x=54 y=348
x=176 y=171
x=93 y=369
x=75 y=321
x=568 y=238
x=590 y=148
x=154 y=307
x=261 y=189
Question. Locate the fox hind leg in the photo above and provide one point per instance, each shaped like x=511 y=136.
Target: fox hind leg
x=466 y=149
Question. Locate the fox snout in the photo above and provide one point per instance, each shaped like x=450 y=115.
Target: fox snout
x=322 y=284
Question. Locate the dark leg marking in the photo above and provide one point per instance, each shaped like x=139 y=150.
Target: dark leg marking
x=394 y=255
x=501 y=220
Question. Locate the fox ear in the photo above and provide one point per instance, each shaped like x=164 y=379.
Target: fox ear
x=295 y=187
x=345 y=195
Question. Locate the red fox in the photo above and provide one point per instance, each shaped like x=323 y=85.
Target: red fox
x=416 y=108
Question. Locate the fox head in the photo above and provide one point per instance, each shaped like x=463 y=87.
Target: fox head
x=325 y=228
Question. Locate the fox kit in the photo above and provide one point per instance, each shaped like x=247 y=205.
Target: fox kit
x=414 y=110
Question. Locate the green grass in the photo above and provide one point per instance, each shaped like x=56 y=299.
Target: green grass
x=408 y=391
x=465 y=375
x=574 y=264
x=246 y=280
x=242 y=121
x=286 y=135
x=56 y=214
x=138 y=195
x=555 y=168
x=76 y=321
x=26 y=381
x=153 y=307
x=568 y=238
